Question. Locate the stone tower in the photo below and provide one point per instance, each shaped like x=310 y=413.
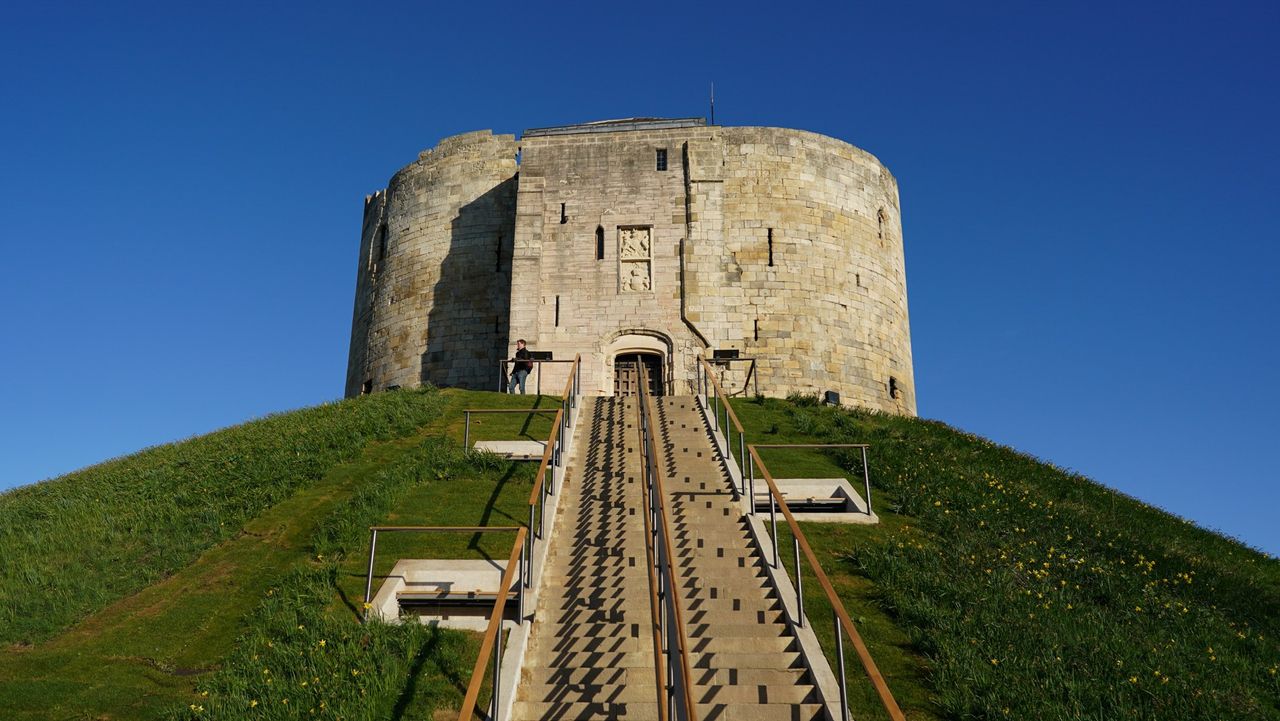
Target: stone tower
x=659 y=240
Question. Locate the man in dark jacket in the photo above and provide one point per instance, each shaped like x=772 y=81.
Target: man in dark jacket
x=520 y=369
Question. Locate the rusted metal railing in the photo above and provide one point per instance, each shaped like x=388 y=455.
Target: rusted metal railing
x=843 y=624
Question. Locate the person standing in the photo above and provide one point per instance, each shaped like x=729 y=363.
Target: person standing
x=520 y=370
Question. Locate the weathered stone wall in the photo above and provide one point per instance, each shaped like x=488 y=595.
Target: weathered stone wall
x=433 y=281
x=607 y=183
x=796 y=258
x=783 y=244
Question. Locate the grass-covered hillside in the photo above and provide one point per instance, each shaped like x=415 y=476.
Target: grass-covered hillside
x=997 y=586
x=222 y=577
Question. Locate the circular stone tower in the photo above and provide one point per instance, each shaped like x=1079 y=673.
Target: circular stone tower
x=659 y=239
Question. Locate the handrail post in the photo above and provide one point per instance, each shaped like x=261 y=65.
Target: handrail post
x=520 y=590
x=368 y=583
x=844 y=693
x=752 y=489
x=742 y=449
x=528 y=552
x=795 y=542
x=497 y=667
x=866 y=479
x=773 y=520
x=466 y=431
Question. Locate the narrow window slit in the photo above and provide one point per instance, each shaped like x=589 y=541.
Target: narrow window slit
x=557 y=311
x=599 y=242
x=771 y=247
x=564 y=218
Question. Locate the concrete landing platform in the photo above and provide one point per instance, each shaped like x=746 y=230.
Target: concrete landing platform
x=441 y=579
x=825 y=489
x=515 y=450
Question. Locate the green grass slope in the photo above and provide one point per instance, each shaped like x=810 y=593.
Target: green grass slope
x=287 y=496
x=222 y=577
x=998 y=586
x=74 y=544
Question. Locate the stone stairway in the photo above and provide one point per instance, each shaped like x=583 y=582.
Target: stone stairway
x=590 y=653
x=746 y=661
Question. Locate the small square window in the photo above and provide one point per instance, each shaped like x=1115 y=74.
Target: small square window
x=662 y=158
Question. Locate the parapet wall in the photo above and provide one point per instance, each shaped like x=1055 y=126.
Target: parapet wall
x=433 y=281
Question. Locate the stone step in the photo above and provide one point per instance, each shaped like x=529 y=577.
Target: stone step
x=592 y=676
x=695 y=618
x=748 y=589
x=555 y=661
x=604 y=576
x=750 y=676
x=739 y=644
x=756 y=694
x=590 y=644
x=562 y=692
x=761 y=712
x=731 y=659
x=721 y=605
x=727 y=628
x=542 y=710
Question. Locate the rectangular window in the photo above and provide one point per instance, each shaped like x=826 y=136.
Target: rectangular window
x=557 y=311
x=662 y=158
x=771 y=246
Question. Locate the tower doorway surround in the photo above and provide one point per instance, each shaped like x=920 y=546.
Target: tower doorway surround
x=631 y=346
x=626 y=373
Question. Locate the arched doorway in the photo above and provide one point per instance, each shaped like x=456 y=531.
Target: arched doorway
x=626 y=373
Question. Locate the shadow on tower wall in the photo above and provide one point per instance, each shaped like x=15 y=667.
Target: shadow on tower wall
x=468 y=318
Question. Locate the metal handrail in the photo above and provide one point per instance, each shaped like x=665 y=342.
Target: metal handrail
x=659 y=508
x=542 y=489
x=842 y=620
x=752 y=376
x=503 y=376
x=492 y=643
x=708 y=382
x=655 y=604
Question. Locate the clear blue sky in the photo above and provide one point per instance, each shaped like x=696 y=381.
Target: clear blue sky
x=1089 y=197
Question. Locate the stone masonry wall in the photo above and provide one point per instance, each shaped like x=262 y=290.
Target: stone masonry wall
x=783 y=244
x=796 y=258
x=434 y=280
x=609 y=186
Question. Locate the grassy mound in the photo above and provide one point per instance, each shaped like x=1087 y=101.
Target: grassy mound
x=74 y=544
x=1029 y=591
x=222 y=577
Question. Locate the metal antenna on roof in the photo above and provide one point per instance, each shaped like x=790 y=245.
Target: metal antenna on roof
x=713 y=102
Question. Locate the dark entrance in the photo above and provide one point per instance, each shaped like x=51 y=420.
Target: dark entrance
x=626 y=373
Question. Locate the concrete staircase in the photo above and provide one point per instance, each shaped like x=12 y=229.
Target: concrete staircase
x=590 y=654
x=746 y=660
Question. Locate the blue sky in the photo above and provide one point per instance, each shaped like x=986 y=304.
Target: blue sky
x=1088 y=197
